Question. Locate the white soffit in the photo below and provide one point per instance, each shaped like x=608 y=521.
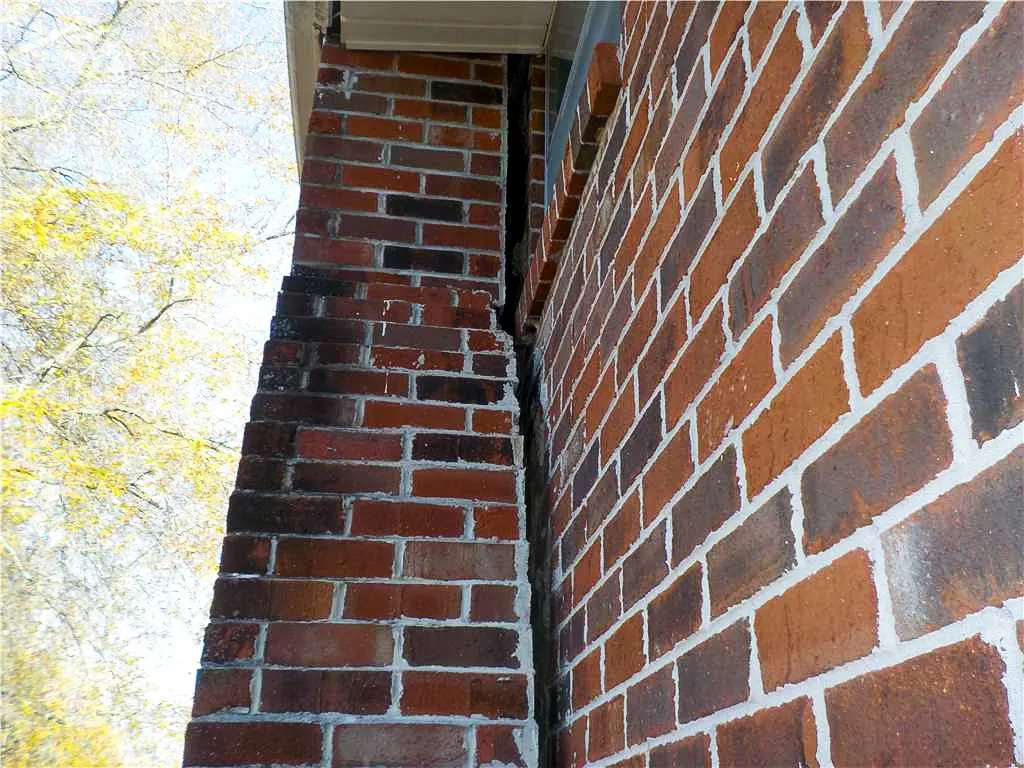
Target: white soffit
x=454 y=26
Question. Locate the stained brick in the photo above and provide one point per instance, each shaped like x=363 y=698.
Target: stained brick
x=675 y=614
x=225 y=744
x=461 y=646
x=449 y=693
x=645 y=567
x=824 y=621
x=398 y=744
x=892 y=452
x=435 y=560
x=719 y=112
x=992 y=358
x=948 y=706
x=605 y=731
x=709 y=503
x=357 y=693
x=692 y=752
x=783 y=735
x=715 y=674
x=920 y=46
x=753 y=555
x=651 y=706
x=389 y=601
x=699 y=360
x=974 y=239
x=959 y=553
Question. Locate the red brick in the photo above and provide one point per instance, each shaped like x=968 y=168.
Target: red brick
x=624 y=653
x=416 y=359
x=226 y=744
x=499 y=744
x=460 y=646
x=334 y=558
x=658 y=238
x=344 y=199
x=435 y=560
x=345 y=478
x=837 y=268
x=620 y=418
x=465 y=484
x=630 y=244
x=667 y=474
x=244 y=554
x=807 y=406
x=380 y=178
x=783 y=735
x=729 y=241
x=309 y=250
x=824 y=621
x=347 y=444
x=836 y=65
x=221 y=689
x=381 y=414
x=571 y=747
x=272 y=599
x=496 y=522
x=397 y=744
x=426 y=64
x=948 y=707
x=921 y=44
x=760 y=27
x=959 y=553
x=709 y=503
x=492 y=422
x=715 y=674
x=493 y=602
x=753 y=555
x=448 y=693
x=643 y=569
x=651 y=706
x=605 y=732
x=675 y=614
x=719 y=112
x=699 y=360
x=229 y=641
x=343 y=57
x=891 y=453
x=385 y=518
x=978 y=97
x=622 y=530
x=356 y=693
x=586 y=680
x=464 y=188
x=728 y=23
x=974 y=239
x=744 y=382
x=685 y=120
x=586 y=572
x=695 y=751
x=329 y=645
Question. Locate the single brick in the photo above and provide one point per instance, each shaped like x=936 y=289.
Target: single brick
x=624 y=653
x=605 y=731
x=423 y=259
x=493 y=602
x=651 y=706
x=992 y=358
x=850 y=253
x=975 y=238
x=221 y=689
x=586 y=680
x=643 y=569
x=753 y=555
x=226 y=744
x=382 y=414
x=330 y=444
x=226 y=642
x=709 y=503
x=396 y=745
x=959 y=553
x=603 y=608
x=436 y=560
x=978 y=97
x=700 y=359
x=461 y=646
x=674 y=615
x=695 y=751
x=715 y=674
x=700 y=215
x=272 y=599
x=459 y=389
x=449 y=693
x=667 y=474
x=328 y=645
x=244 y=554
x=356 y=693
x=638 y=448
x=391 y=601
x=947 y=707
x=481 y=485
x=783 y=735
x=920 y=46
x=824 y=621
x=809 y=403
x=475 y=94
x=892 y=452
x=334 y=558
x=834 y=69
x=387 y=518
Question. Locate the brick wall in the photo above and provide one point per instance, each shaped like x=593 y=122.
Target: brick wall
x=373 y=605
x=778 y=380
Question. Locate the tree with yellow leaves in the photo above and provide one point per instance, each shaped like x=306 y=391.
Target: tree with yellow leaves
x=138 y=142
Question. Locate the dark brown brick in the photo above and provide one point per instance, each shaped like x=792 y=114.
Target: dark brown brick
x=474 y=94
x=992 y=358
x=644 y=568
x=674 y=615
x=449 y=693
x=948 y=707
x=840 y=265
x=776 y=250
x=638 y=448
x=834 y=69
x=471 y=448
x=824 y=621
x=974 y=239
x=396 y=745
x=429 y=159
x=753 y=555
x=295 y=690
x=651 y=706
x=715 y=674
x=424 y=208
x=457 y=389
x=783 y=735
x=221 y=689
x=891 y=453
x=603 y=607
x=328 y=645
x=493 y=602
x=700 y=215
x=717 y=116
x=679 y=131
x=244 y=554
x=978 y=96
x=709 y=503
x=959 y=553
x=229 y=641
x=693 y=752
x=920 y=46
x=423 y=259
x=460 y=646
x=225 y=744
x=819 y=14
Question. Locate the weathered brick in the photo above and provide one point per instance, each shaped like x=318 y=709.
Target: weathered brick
x=992 y=358
x=699 y=360
x=959 y=553
x=709 y=503
x=837 y=268
x=449 y=693
x=226 y=744
x=333 y=558
x=390 y=601
x=386 y=518
x=974 y=239
x=606 y=735
x=624 y=653
x=398 y=744
x=834 y=69
x=221 y=689
x=824 y=621
x=892 y=452
x=436 y=560
x=715 y=674
x=948 y=706
x=603 y=607
x=760 y=26
x=232 y=641
x=806 y=407
x=920 y=46
x=700 y=215
x=692 y=752
x=783 y=735
x=743 y=383
x=978 y=96
x=295 y=690
x=651 y=706
x=460 y=646
x=753 y=555
x=272 y=599
x=645 y=567
x=675 y=614
x=719 y=112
